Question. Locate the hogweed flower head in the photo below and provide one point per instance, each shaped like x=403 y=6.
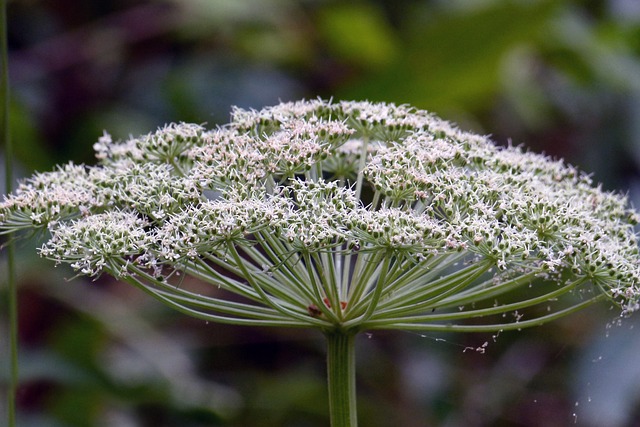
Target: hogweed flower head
x=339 y=215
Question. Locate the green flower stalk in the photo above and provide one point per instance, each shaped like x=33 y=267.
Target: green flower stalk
x=342 y=217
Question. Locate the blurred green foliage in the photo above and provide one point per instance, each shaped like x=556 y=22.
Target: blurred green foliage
x=562 y=76
x=453 y=60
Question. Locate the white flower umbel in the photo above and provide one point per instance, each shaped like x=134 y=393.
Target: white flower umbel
x=344 y=217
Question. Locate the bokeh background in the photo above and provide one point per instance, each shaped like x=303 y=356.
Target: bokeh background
x=561 y=76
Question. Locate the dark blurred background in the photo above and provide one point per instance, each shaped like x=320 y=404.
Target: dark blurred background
x=561 y=76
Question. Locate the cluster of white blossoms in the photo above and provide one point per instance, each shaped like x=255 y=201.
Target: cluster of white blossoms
x=339 y=214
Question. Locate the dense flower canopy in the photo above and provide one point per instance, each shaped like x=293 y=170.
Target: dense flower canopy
x=349 y=214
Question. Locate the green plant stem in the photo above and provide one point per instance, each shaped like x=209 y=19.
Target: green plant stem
x=5 y=137
x=341 y=369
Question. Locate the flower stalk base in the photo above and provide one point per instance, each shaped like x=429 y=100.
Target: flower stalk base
x=341 y=371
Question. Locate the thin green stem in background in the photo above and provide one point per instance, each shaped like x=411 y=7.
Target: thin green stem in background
x=341 y=370
x=8 y=156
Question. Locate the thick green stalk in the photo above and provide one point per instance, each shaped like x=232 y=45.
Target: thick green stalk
x=341 y=369
x=8 y=153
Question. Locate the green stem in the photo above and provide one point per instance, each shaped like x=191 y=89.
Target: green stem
x=361 y=165
x=341 y=369
x=265 y=298
x=373 y=301
x=5 y=140
x=495 y=327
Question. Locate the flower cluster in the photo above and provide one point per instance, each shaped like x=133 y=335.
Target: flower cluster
x=98 y=241
x=167 y=145
x=349 y=214
x=47 y=197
